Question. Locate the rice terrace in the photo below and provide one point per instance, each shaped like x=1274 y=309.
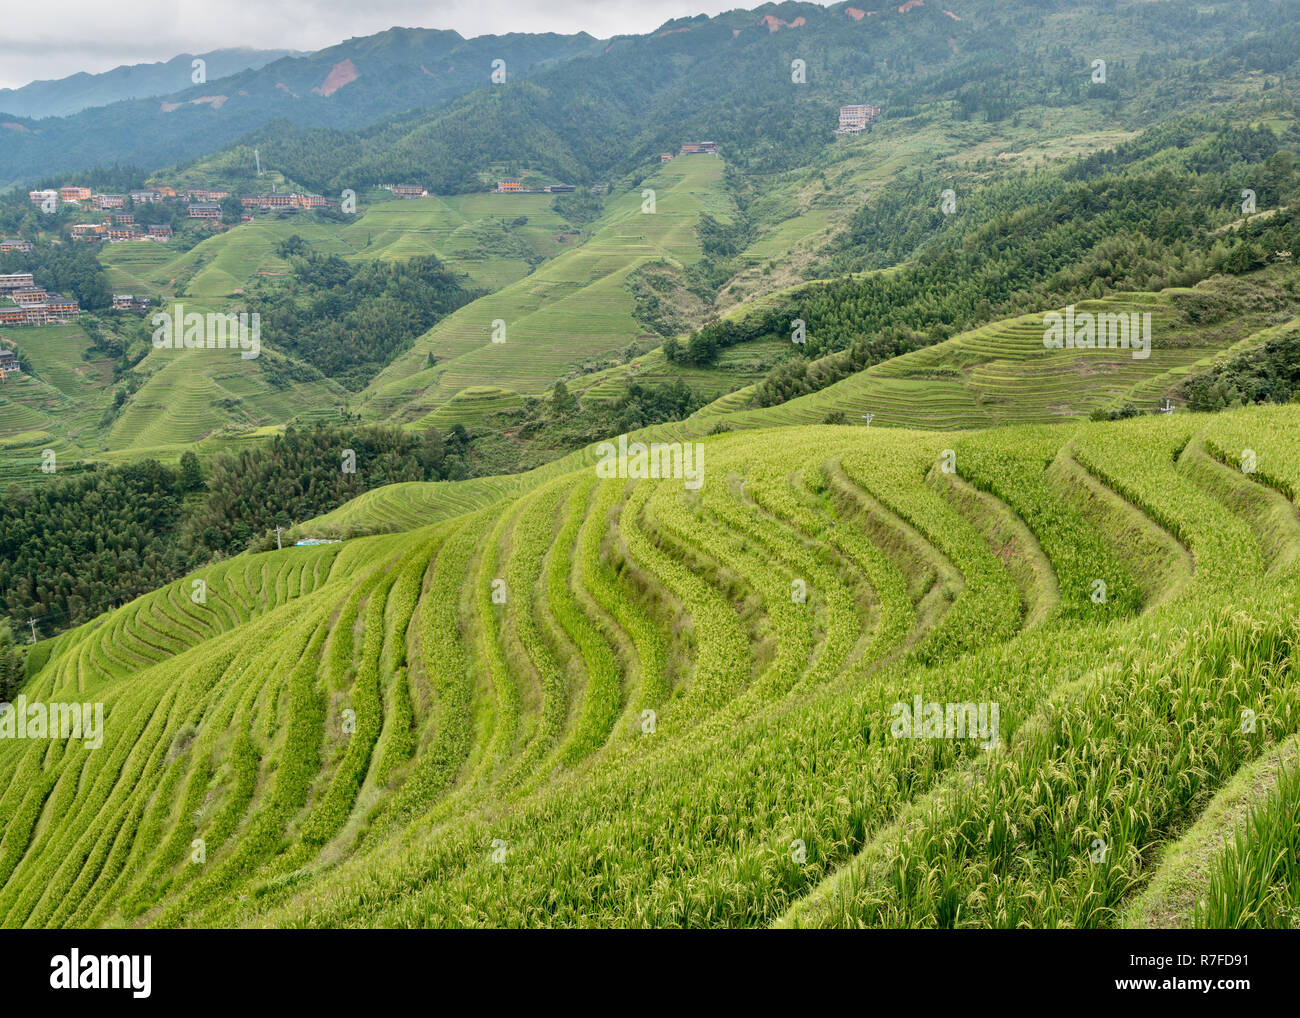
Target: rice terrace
x=792 y=468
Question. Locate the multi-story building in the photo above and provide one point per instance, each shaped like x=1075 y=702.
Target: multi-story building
x=560 y=189
x=311 y=201
x=163 y=233
x=146 y=197
x=87 y=231
x=409 y=191
x=856 y=118
x=665 y=157
x=16 y=281
x=123 y=218
x=55 y=308
x=73 y=193
x=205 y=211
x=41 y=197
x=128 y=302
x=509 y=186
x=29 y=295
x=692 y=148
x=15 y=245
x=120 y=233
x=110 y=201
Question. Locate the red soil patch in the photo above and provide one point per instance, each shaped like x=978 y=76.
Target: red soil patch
x=951 y=15
x=343 y=73
x=774 y=23
x=910 y=5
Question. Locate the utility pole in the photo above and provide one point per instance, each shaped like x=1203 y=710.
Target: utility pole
x=278 y=545
x=32 y=623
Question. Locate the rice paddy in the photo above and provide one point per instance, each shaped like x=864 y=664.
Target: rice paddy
x=555 y=699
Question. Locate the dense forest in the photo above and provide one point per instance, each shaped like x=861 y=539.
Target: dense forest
x=331 y=302
x=72 y=547
x=1267 y=374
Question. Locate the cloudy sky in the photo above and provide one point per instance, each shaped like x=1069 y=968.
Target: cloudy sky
x=55 y=38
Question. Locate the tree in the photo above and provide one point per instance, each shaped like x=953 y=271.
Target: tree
x=191 y=472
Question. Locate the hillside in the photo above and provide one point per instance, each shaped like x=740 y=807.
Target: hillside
x=343 y=87
x=605 y=750
x=62 y=97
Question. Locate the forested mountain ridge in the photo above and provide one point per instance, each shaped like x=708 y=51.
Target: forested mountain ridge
x=62 y=97
x=345 y=86
x=730 y=79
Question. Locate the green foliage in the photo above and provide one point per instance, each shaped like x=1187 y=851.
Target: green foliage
x=333 y=303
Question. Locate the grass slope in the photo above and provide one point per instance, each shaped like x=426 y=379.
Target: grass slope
x=498 y=656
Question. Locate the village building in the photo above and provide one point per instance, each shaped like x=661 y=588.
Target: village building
x=509 y=187
x=161 y=233
x=691 y=148
x=29 y=295
x=16 y=281
x=87 y=231
x=110 y=201
x=854 y=119
x=55 y=308
x=409 y=191
x=8 y=364
x=41 y=197
x=129 y=302
x=560 y=189
x=123 y=218
x=205 y=211
x=665 y=157
x=72 y=193
x=146 y=197
x=19 y=244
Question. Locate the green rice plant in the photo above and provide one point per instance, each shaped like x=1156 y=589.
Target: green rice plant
x=1255 y=880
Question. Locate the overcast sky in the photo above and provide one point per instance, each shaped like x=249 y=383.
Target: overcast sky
x=55 y=38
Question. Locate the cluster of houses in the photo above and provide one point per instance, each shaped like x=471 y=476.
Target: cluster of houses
x=119 y=228
x=22 y=302
x=129 y=302
x=201 y=203
x=517 y=187
x=691 y=148
x=856 y=119
x=17 y=244
x=283 y=201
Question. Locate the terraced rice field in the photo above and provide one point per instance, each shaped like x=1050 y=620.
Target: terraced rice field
x=1002 y=373
x=574 y=701
x=574 y=308
x=227 y=263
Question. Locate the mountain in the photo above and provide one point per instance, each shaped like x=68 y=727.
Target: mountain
x=62 y=97
x=346 y=86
